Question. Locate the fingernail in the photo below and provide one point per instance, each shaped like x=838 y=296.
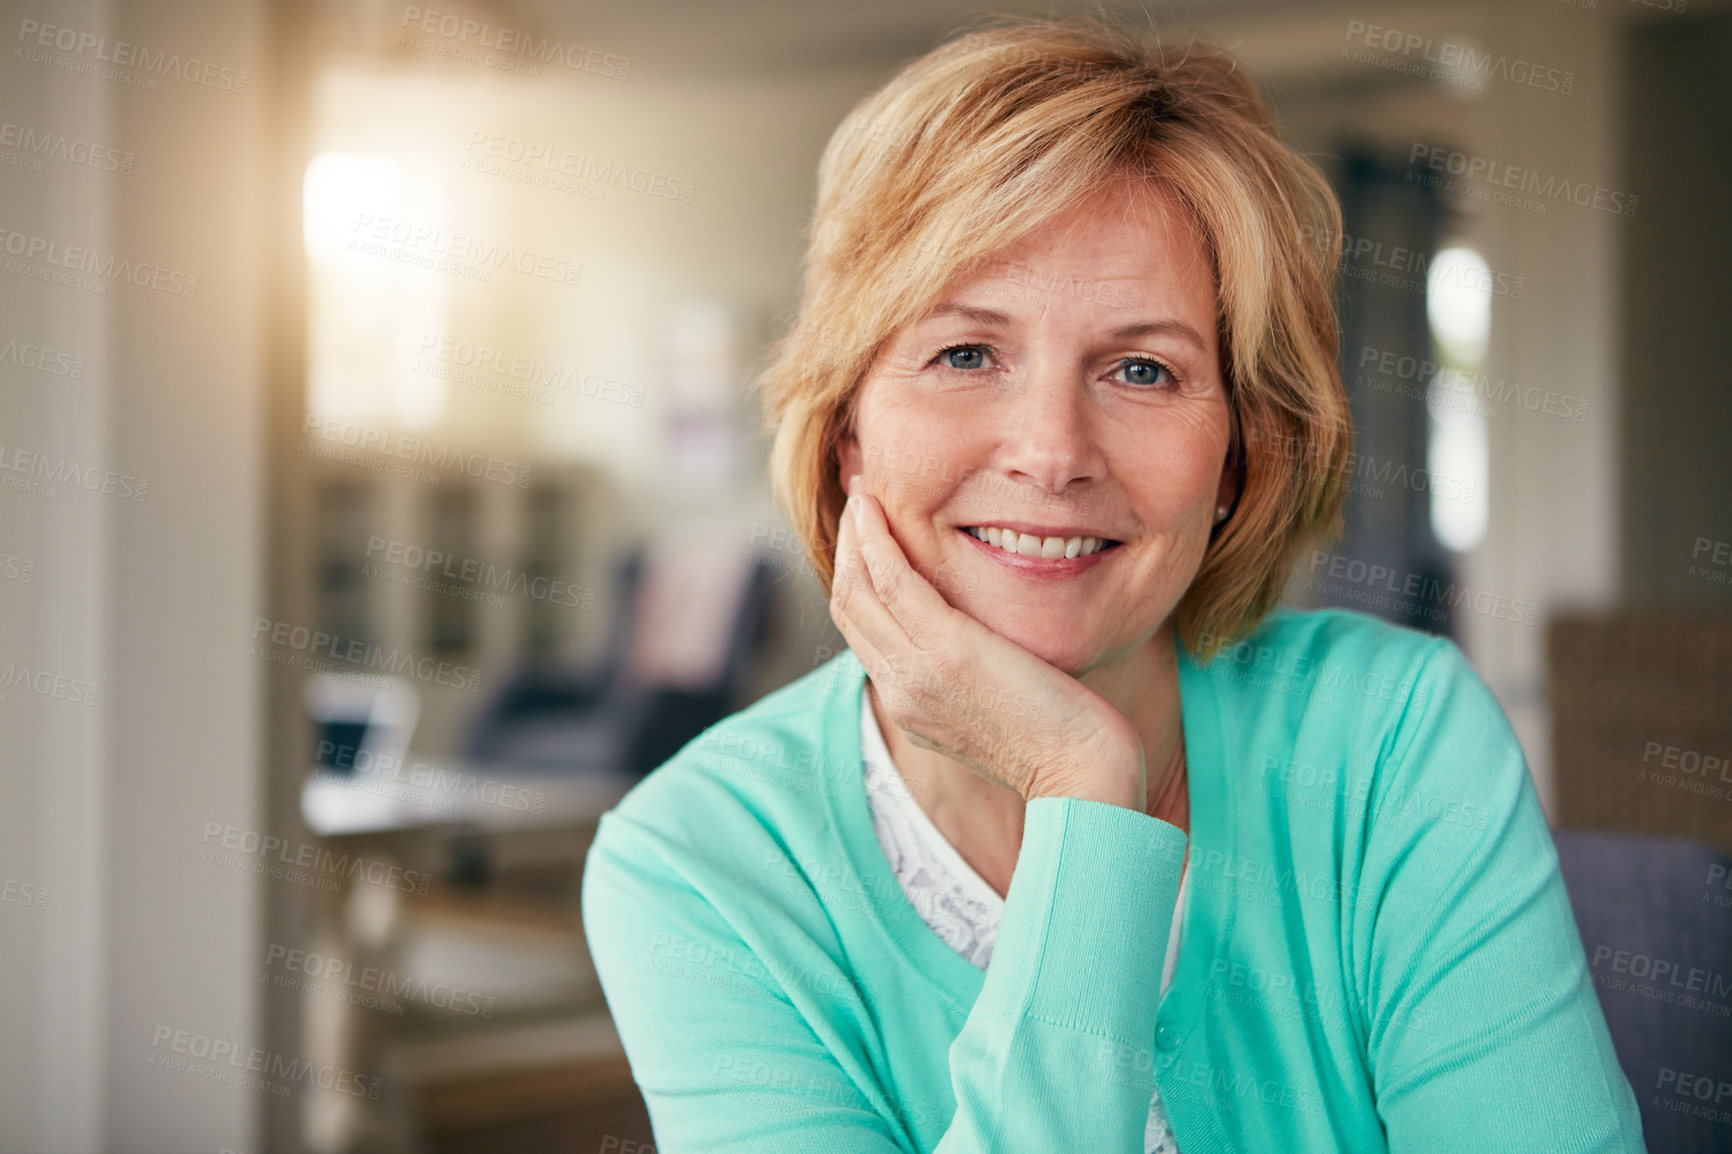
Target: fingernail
x=856 y=508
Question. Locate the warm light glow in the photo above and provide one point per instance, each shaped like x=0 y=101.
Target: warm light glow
x=1458 y=302
x=369 y=314
x=1458 y=305
x=341 y=188
x=1459 y=461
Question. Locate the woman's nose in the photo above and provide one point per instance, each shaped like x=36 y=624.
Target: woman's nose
x=1046 y=433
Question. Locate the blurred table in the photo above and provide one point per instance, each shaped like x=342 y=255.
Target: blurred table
x=457 y=793
x=543 y=1067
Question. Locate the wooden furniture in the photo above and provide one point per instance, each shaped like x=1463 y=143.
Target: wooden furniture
x=1641 y=710
x=488 y=1024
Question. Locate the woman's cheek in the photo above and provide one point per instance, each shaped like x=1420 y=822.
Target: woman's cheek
x=915 y=464
x=1176 y=471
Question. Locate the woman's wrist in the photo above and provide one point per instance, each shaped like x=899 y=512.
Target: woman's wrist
x=1119 y=779
x=1095 y=791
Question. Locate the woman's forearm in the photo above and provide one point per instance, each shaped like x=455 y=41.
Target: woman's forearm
x=1057 y=1052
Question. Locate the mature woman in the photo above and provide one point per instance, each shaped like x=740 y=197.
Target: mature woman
x=1083 y=844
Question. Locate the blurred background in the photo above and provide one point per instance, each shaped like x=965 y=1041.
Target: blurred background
x=381 y=494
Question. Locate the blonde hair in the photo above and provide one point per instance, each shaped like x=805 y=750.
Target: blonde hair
x=1046 y=113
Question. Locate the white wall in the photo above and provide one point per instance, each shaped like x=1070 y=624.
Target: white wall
x=53 y=763
x=149 y=599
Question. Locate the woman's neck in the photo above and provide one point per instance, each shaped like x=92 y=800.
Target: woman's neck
x=982 y=819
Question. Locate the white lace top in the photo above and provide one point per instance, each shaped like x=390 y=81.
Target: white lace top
x=951 y=897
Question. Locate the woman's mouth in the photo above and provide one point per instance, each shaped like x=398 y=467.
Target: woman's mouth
x=1053 y=555
x=1036 y=546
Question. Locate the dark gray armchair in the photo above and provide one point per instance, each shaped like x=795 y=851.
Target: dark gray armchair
x=1656 y=921
x=622 y=716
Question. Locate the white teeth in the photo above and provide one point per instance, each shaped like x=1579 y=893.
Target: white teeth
x=1047 y=548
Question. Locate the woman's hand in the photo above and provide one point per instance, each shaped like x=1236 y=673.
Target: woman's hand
x=956 y=687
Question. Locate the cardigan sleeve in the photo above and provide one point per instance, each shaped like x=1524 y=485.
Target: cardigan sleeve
x=1483 y=1029
x=1056 y=1053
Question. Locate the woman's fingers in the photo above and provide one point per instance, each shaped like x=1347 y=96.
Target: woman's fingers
x=917 y=607
x=868 y=626
x=854 y=591
x=877 y=666
x=917 y=652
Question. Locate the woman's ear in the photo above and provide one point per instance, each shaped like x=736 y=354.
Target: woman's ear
x=848 y=462
x=1232 y=476
x=1227 y=493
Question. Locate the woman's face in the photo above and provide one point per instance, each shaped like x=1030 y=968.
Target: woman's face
x=1069 y=389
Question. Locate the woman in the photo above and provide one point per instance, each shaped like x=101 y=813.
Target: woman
x=1083 y=845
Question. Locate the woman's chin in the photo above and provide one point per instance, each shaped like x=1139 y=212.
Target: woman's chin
x=1059 y=647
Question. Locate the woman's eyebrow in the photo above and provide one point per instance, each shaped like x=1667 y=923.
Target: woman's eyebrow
x=1160 y=329
x=978 y=315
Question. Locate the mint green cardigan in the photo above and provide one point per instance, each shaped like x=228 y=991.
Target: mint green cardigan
x=1377 y=953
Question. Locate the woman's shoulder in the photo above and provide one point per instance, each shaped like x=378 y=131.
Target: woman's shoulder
x=1334 y=699
x=1337 y=708
x=758 y=778
x=1331 y=660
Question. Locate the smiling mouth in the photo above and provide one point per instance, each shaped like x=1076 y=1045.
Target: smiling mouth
x=1046 y=548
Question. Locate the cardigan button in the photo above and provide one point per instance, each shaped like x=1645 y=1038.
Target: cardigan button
x=1165 y=1036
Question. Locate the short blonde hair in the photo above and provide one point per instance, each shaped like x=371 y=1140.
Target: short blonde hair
x=1047 y=113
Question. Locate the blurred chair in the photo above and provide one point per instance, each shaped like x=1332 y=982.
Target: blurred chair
x=1655 y=916
x=692 y=607
x=1641 y=709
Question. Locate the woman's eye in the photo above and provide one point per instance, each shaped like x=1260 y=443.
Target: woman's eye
x=963 y=357
x=1143 y=372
